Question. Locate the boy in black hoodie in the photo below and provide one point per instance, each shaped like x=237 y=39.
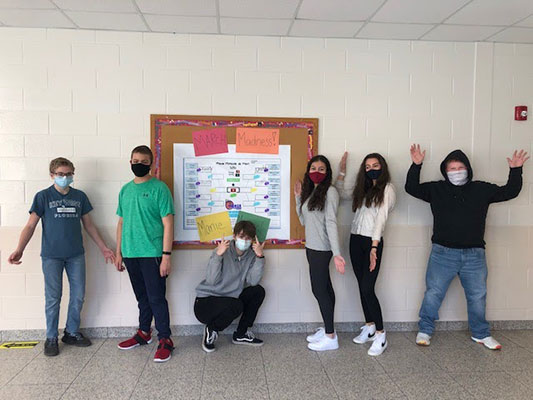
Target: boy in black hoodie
x=459 y=207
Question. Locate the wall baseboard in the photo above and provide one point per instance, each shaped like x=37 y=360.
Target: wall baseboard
x=295 y=327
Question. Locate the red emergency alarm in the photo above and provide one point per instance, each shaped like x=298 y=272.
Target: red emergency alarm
x=520 y=113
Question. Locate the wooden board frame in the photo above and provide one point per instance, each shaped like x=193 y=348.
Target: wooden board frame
x=300 y=133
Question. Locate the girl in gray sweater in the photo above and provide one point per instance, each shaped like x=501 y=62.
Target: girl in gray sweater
x=316 y=205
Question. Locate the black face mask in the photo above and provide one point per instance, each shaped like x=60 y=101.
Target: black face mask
x=140 y=170
x=373 y=173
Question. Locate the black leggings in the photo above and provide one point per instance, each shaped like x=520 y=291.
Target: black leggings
x=321 y=284
x=360 y=247
x=219 y=312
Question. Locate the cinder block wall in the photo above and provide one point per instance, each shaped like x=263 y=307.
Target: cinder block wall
x=88 y=96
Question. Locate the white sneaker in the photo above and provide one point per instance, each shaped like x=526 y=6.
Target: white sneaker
x=379 y=345
x=368 y=333
x=315 y=337
x=489 y=342
x=423 y=339
x=324 y=343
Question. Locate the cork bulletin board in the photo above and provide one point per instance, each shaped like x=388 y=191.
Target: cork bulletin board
x=300 y=133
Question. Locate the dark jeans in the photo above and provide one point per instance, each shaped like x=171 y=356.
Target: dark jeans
x=360 y=247
x=150 y=290
x=219 y=312
x=321 y=285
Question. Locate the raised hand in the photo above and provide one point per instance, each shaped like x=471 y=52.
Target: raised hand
x=342 y=165
x=258 y=247
x=298 y=188
x=518 y=159
x=416 y=155
x=339 y=264
x=222 y=246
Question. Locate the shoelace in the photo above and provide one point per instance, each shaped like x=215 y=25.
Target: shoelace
x=212 y=337
x=250 y=335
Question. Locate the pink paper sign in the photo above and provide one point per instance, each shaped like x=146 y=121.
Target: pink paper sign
x=210 y=141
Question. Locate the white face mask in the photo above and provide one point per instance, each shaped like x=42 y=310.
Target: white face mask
x=458 y=178
x=242 y=244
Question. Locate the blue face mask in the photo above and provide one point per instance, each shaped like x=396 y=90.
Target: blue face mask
x=373 y=173
x=63 y=181
x=242 y=244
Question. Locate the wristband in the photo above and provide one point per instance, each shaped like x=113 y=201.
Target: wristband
x=260 y=256
x=167 y=253
x=342 y=173
x=374 y=247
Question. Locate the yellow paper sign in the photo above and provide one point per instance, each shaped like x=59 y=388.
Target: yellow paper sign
x=214 y=226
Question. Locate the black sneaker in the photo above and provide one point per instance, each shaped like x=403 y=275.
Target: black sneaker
x=248 y=338
x=51 y=348
x=76 y=339
x=208 y=342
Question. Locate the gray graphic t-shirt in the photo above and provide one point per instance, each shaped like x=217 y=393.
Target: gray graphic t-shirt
x=60 y=217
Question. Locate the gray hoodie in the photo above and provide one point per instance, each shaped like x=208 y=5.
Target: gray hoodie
x=227 y=275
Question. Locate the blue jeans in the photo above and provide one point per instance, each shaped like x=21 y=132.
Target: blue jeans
x=444 y=264
x=53 y=289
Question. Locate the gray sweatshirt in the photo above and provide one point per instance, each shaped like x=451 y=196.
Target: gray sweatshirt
x=228 y=274
x=321 y=226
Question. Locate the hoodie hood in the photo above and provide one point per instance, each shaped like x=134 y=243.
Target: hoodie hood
x=457 y=155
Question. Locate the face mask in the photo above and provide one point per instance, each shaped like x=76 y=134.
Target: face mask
x=242 y=244
x=140 y=170
x=317 y=177
x=458 y=178
x=63 y=181
x=373 y=173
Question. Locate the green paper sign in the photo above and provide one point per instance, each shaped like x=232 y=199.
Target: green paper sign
x=261 y=224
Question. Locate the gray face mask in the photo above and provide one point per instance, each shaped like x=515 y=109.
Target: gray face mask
x=458 y=178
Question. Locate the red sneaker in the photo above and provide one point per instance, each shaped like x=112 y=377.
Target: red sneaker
x=138 y=339
x=164 y=350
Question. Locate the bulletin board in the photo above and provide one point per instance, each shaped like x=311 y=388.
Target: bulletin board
x=301 y=134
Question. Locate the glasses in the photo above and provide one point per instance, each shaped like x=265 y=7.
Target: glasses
x=61 y=174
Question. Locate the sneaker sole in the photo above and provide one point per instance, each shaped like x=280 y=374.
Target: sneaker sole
x=366 y=341
x=207 y=350
x=247 y=343
x=423 y=344
x=76 y=344
x=159 y=360
x=135 y=345
x=332 y=348
x=51 y=355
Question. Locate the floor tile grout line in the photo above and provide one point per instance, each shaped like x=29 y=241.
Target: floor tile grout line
x=327 y=375
x=140 y=374
x=25 y=365
x=203 y=375
x=264 y=370
x=81 y=369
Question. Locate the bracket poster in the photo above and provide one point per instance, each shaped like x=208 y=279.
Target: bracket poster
x=255 y=183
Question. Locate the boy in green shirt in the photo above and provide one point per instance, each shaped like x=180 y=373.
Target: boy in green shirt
x=144 y=243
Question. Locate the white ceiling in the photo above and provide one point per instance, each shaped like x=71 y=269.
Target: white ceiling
x=450 y=20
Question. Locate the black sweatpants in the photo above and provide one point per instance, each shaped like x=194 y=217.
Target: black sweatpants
x=321 y=284
x=219 y=312
x=360 y=247
x=150 y=291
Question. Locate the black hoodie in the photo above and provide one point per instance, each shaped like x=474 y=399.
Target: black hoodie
x=459 y=212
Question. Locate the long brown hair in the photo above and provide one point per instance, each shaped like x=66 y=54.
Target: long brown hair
x=365 y=192
x=318 y=194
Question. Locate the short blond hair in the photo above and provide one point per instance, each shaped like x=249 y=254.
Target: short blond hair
x=60 y=162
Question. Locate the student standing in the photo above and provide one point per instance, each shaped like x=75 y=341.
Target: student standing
x=372 y=198
x=144 y=243
x=60 y=208
x=231 y=288
x=316 y=205
x=459 y=205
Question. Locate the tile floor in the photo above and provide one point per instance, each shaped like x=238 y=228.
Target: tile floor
x=453 y=367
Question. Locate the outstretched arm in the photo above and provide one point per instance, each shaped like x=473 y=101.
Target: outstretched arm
x=412 y=183
x=514 y=183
